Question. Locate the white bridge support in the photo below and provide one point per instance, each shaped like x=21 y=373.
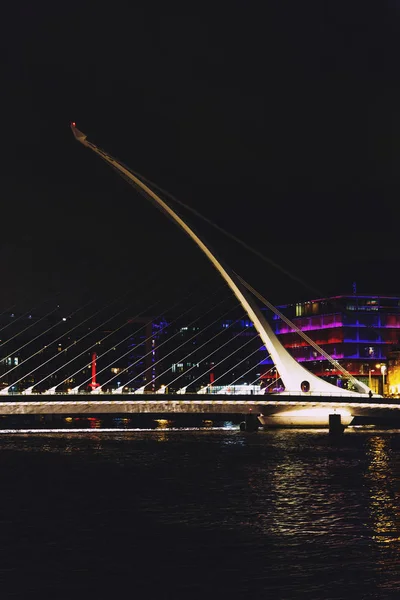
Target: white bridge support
x=295 y=378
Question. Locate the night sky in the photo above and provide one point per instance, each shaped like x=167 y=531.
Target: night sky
x=282 y=125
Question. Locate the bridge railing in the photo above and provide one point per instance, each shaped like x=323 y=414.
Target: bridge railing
x=167 y=396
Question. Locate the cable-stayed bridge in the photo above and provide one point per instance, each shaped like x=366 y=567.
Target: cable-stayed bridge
x=202 y=378
x=277 y=411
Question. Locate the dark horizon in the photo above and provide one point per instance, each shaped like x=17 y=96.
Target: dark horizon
x=283 y=130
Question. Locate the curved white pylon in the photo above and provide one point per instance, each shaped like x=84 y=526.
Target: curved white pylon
x=295 y=378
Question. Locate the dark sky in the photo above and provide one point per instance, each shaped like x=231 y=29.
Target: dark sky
x=281 y=124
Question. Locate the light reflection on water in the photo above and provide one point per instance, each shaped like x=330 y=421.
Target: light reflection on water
x=384 y=507
x=296 y=514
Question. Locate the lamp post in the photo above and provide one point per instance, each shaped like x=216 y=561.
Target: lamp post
x=370 y=371
x=383 y=371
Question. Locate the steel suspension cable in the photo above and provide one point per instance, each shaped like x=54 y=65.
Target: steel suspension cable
x=236 y=365
x=175 y=349
x=160 y=345
x=222 y=230
x=26 y=328
x=263 y=375
x=224 y=359
x=40 y=335
x=28 y=312
x=5 y=390
x=248 y=371
x=119 y=343
x=208 y=355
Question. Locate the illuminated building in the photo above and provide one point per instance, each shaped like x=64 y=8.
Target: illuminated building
x=356 y=330
x=393 y=371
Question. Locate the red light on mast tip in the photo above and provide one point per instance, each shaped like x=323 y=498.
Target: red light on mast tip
x=73 y=124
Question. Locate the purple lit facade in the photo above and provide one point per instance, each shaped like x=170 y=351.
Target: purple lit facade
x=357 y=330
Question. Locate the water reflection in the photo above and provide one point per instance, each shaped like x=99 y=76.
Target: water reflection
x=163 y=423
x=161 y=435
x=306 y=488
x=384 y=506
x=284 y=514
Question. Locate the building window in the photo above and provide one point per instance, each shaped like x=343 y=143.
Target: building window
x=315 y=308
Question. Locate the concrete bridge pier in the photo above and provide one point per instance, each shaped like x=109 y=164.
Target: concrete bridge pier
x=335 y=424
x=250 y=423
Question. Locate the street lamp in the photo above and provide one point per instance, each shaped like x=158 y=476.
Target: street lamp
x=383 y=371
x=370 y=371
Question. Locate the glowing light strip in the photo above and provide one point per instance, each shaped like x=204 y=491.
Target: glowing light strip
x=336 y=325
x=310 y=328
x=115 y=430
x=92 y=405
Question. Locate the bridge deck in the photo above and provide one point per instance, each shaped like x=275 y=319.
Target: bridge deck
x=90 y=404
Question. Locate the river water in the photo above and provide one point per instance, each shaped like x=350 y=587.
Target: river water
x=200 y=513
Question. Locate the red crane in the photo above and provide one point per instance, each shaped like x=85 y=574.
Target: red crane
x=93 y=384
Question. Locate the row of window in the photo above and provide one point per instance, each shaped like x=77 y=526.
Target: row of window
x=352 y=303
